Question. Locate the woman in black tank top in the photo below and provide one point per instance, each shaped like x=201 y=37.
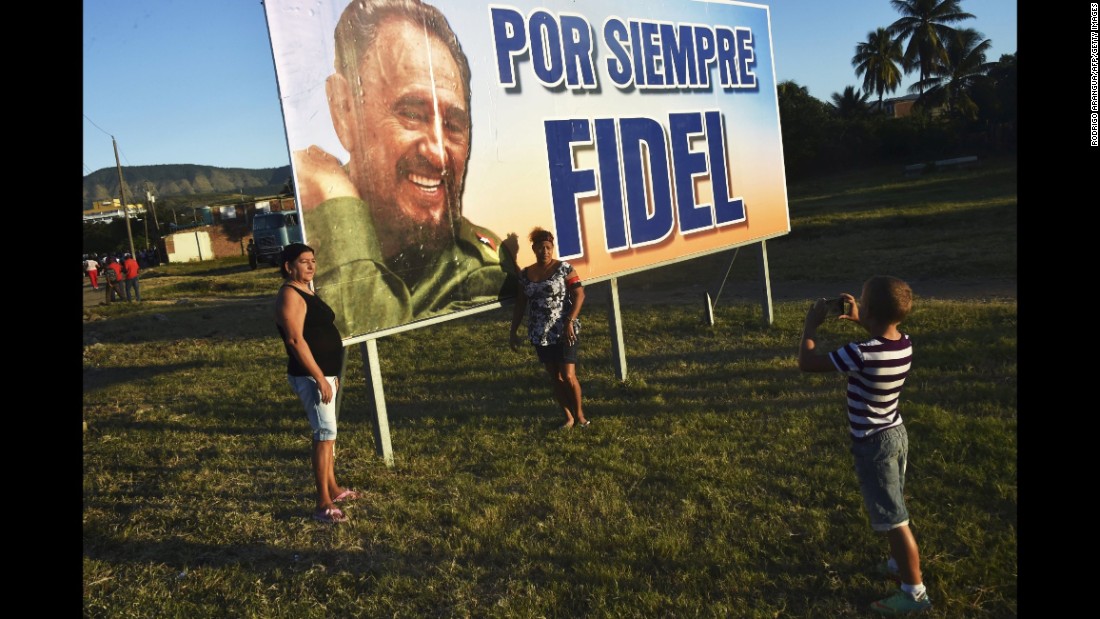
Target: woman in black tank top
x=314 y=356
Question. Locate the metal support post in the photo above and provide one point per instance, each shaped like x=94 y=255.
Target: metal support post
x=615 y=319
x=766 y=292
x=373 y=367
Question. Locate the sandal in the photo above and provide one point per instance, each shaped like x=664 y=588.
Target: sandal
x=347 y=495
x=330 y=515
x=585 y=424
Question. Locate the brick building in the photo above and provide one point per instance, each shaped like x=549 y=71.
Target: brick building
x=223 y=231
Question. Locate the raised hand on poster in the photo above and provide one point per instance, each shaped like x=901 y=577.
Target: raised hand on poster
x=320 y=176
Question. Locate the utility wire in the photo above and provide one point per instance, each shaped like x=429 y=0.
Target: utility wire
x=96 y=126
x=123 y=155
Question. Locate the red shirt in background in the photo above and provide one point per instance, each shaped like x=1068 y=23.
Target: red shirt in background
x=131 y=267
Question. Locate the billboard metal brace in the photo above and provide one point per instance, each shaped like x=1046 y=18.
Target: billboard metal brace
x=717 y=295
x=765 y=292
x=766 y=280
x=373 y=367
x=618 y=350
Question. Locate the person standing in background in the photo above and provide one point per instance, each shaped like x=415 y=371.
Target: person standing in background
x=91 y=267
x=314 y=351
x=130 y=268
x=553 y=291
x=113 y=274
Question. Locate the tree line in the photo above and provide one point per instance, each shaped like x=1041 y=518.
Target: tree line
x=965 y=104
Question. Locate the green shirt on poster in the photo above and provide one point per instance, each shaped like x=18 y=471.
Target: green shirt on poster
x=367 y=295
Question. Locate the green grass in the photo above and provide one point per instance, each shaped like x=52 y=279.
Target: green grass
x=955 y=224
x=715 y=480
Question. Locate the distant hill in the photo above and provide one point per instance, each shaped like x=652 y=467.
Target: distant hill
x=183 y=179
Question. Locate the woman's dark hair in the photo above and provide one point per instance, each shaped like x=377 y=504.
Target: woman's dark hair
x=539 y=235
x=290 y=254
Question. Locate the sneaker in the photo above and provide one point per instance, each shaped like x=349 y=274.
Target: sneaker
x=885 y=570
x=901 y=603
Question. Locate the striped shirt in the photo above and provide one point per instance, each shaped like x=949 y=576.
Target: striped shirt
x=876 y=371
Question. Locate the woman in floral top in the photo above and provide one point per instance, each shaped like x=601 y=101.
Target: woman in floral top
x=553 y=291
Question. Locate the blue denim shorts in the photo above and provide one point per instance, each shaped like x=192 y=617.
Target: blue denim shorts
x=880 y=467
x=322 y=417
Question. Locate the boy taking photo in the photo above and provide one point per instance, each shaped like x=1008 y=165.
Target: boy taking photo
x=876 y=370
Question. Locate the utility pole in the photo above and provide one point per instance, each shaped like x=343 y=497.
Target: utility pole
x=153 y=200
x=150 y=206
x=145 y=220
x=122 y=197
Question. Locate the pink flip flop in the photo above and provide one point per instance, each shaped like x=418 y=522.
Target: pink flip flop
x=331 y=515
x=347 y=495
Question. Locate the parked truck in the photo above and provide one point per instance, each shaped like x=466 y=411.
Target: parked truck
x=273 y=231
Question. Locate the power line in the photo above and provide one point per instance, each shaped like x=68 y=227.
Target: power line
x=89 y=170
x=96 y=126
x=107 y=133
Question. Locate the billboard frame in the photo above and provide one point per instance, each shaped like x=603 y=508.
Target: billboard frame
x=368 y=340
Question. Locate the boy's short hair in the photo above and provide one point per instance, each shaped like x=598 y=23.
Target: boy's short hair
x=888 y=298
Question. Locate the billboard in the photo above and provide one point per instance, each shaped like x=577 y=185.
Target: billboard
x=428 y=139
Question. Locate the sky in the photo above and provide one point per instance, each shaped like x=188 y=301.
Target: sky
x=193 y=81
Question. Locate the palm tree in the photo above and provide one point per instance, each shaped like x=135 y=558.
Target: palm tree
x=951 y=84
x=851 y=103
x=878 y=60
x=925 y=24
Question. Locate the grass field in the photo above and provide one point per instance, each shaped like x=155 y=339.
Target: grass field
x=714 y=481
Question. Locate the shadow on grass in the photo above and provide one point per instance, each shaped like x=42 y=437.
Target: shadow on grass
x=106 y=378
x=151 y=323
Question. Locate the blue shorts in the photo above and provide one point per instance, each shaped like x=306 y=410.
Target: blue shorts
x=559 y=353
x=322 y=417
x=880 y=467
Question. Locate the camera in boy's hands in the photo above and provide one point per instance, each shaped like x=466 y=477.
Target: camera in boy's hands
x=837 y=307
